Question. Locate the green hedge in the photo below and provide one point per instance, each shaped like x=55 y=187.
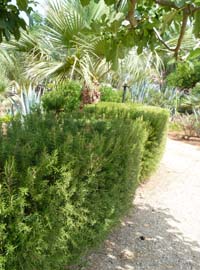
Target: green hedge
x=63 y=184
x=156 y=120
x=65 y=180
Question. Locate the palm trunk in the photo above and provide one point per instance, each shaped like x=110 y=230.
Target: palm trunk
x=90 y=96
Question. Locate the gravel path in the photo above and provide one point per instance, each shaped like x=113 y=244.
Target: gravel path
x=163 y=230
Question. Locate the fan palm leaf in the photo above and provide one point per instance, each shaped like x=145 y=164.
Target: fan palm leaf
x=66 y=43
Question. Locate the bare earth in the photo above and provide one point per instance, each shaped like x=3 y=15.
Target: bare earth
x=163 y=229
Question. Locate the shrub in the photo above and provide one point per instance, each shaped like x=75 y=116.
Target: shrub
x=66 y=97
x=189 y=124
x=5 y=119
x=109 y=94
x=186 y=75
x=64 y=182
x=196 y=90
x=156 y=120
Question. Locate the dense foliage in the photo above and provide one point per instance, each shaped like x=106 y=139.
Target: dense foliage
x=66 y=180
x=185 y=75
x=111 y=95
x=196 y=90
x=151 y=22
x=66 y=96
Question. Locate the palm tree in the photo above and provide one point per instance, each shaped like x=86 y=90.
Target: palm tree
x=70 y=47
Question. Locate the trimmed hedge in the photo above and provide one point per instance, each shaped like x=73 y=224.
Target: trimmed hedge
x=65 y=181
x=63 y=184
x=156 y=120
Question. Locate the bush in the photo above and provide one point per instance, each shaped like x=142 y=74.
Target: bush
x=189 y=124
x=186 y=75
x=156 y=120
x=196 y=90
x=64 y=183
x=109 y=94
x=66 y=97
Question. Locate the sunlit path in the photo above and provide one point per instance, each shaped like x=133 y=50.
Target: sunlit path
x=162 y=231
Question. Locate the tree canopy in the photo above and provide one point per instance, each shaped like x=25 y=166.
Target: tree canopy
x=140 y=23
x=150 y=22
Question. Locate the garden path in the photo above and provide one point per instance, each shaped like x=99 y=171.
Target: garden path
x=162 y=231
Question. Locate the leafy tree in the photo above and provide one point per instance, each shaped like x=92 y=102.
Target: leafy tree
x=10 y=20
x=150 y=22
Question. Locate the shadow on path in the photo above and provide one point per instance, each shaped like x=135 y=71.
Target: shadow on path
x=147 y=239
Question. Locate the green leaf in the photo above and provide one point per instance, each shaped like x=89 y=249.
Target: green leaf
x=109 y=2
x=180 y=3
x=22 y=4
x=85 y=2
x=6 y=34
x=194 y=54
x=196 y=29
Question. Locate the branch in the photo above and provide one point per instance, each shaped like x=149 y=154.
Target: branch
x=186 y=13
x=181 y=36
x=162 y=41
x=166 y=3
x=131 y=13
x=194 y=9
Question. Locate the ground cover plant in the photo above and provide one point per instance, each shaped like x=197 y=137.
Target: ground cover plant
x=65 y=181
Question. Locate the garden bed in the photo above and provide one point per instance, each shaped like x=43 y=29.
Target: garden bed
x=179 y=136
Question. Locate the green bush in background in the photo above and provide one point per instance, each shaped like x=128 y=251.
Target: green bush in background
x=186 y=75
x=65 y=97
x=108 y=94
x=196 y=90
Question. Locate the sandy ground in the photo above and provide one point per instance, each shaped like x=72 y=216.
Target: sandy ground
x=163 y=229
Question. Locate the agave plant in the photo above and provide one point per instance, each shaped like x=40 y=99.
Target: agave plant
x=152 y=94
x=26 y=101
x=137 y=69
x=191 y=102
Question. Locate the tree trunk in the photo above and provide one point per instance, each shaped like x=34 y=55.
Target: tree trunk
x=90 y=96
